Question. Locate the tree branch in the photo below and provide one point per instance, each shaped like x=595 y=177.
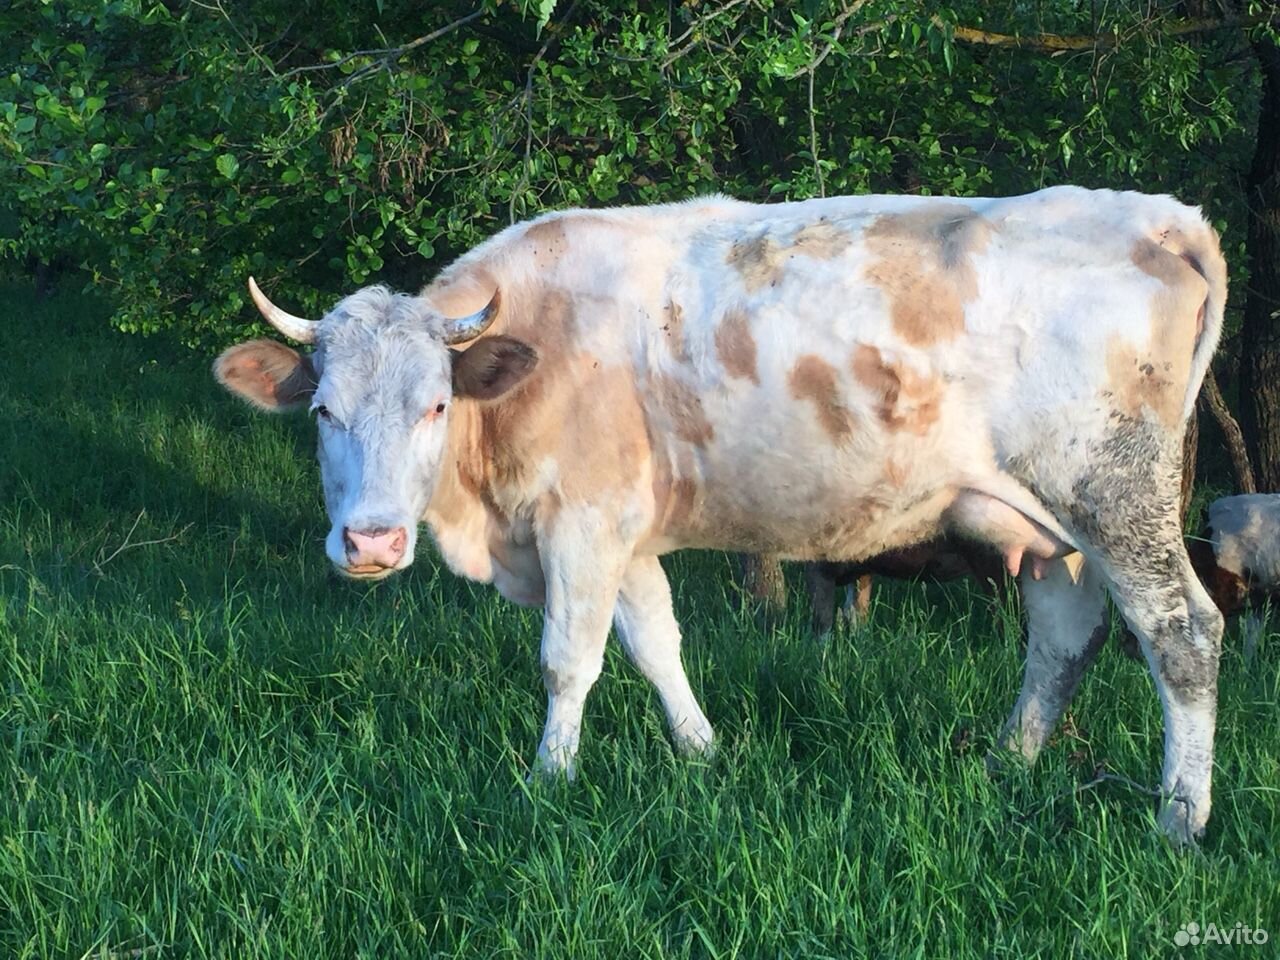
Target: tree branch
x=1052 y=43
x=1230 y=432
x=837 y=28
x=527 y=97
x=385 y=55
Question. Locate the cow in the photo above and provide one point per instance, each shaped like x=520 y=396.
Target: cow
x=820 y=380
x=1237 y=553
x=939 y=560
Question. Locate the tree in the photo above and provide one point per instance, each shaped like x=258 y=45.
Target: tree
x=172 y=149
x=1260 y=332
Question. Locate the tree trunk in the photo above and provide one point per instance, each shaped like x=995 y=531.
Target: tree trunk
x=1260 y=333
x=1231 y=435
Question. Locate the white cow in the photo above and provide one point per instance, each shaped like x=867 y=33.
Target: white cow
x=823 y=380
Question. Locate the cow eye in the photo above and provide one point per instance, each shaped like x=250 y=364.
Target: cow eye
x=322 y=412
x=440 y=407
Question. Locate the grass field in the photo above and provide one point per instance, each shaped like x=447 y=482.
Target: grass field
x=211 y=748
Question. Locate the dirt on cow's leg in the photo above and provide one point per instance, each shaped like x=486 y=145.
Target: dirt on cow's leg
x=1128 y=510
x=1181 y=635
x=649 y=633
x=1066 y=629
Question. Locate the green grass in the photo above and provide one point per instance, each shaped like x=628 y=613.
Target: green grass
x=211 y=748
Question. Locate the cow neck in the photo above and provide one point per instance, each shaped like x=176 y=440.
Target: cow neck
x=463 y=485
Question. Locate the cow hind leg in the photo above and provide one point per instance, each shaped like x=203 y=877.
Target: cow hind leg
x=1066 y=618
x=857 y=601
x=1180 y=632
x=649 y=633
x=1130 y=518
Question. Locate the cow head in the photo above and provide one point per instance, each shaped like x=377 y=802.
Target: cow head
x=381 y=383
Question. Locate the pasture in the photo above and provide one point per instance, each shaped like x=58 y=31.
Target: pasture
x=210 y=747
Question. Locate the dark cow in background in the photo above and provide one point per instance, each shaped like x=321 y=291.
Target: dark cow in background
x=935 y=561
x=1237 y=554
x=824 y=380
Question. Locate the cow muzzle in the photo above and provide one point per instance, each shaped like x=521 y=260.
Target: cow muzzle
x=375 y=552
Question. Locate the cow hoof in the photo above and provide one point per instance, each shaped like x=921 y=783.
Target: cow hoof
x=697 y=743
x=1182 y=824
x=1004 y=758
x=553 y=769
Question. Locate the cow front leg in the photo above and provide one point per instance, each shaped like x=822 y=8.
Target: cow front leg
x=583 y=568
x=649 y=632
x=1066 y=629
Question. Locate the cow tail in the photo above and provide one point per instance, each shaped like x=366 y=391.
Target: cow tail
x=1201 y=249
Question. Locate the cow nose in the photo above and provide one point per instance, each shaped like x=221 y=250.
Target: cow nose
x=381 y=548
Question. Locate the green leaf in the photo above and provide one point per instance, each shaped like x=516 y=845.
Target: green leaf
x=426 y=249
x=37 y=171
x=291 y=176
x=25 y=124
x=99 y=152
x=227 y=165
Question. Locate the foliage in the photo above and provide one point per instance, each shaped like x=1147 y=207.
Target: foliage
x=175 y=148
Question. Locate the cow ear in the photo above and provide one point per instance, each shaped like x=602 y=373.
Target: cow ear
x=268 y=374
x=491 y=366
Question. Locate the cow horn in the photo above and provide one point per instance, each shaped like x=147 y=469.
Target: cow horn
x=295 y=328
x=471 y=326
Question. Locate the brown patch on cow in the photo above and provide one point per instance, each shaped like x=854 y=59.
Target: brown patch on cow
x=673 y=330
x=1135 y=383
x=815 y=380
x=821 y=240
x=677 y=494
x=762 y=260
x=583 y=415
x=683 y=407
x=519 y=430
x=735 y=346
x=758 y=261
x=1156 y=377
x=675 y=503
x=905 y=400
x=605 y=445
x=924 y=268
